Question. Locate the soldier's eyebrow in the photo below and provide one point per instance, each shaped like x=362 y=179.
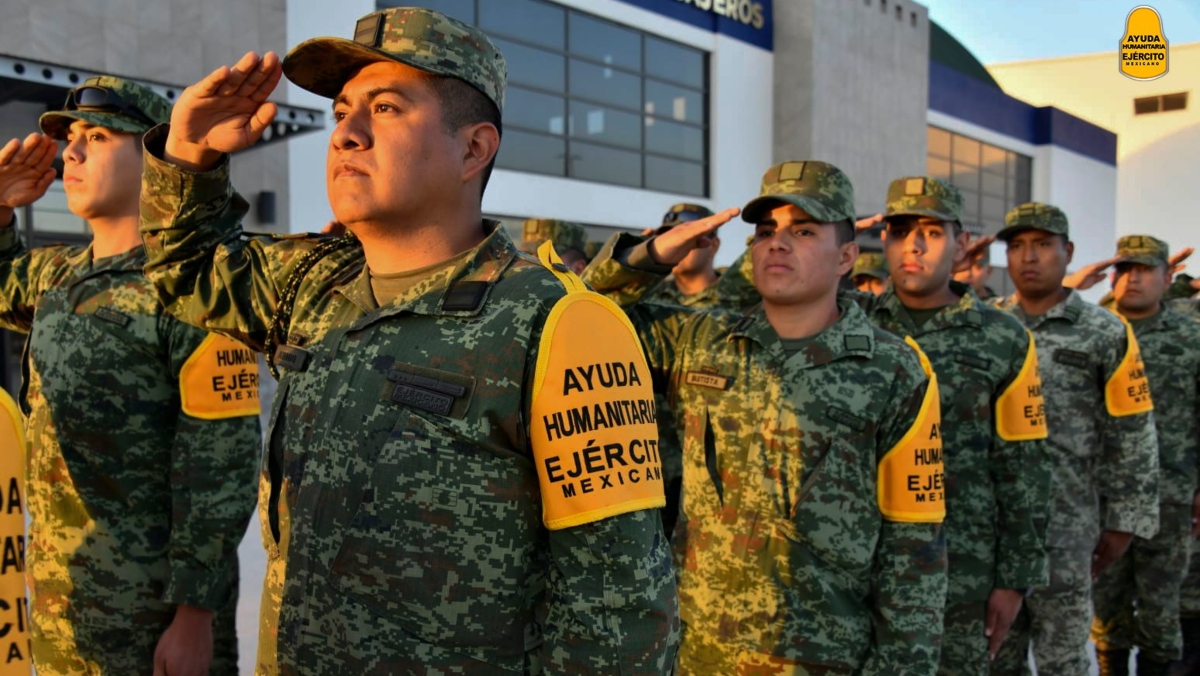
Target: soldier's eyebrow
x=372 y=94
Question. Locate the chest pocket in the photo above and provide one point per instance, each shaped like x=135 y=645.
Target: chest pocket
x=437 y=517
x=835 y=516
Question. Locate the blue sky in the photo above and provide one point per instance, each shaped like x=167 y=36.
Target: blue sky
x=1016 y=30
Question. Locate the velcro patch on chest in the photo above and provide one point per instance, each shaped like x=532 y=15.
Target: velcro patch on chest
x=977 y=363
x=706 y=379
x=432 y=390
x=219 y=380
x=112 y=316
x=846 y=418
x=1079 y=360
x=1020 y=411
x=1127 y=391
x=592 y=419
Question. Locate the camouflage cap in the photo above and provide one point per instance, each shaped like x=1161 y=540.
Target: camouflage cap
x=564 y=234
x=685 y=211
x=1034 y=216
x=422 y=38
x=870 y=263
x=130 y=107
x=820 y=189
x=923 y=196
x=1143 y=249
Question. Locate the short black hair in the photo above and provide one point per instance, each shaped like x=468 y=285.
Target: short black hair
x=462 y=105
x=844 y=231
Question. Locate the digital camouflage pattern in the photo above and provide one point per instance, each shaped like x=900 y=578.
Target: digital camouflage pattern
x=923 y=196
x=1152 y=572
x=997 y=491
x=820 y=189
x=401 y=539
x=786 y=563
x=565 y=234
x=135 y=506
x=1137 y=598
x=157 y=108
x=1034 y=216
x=1104 y=477
x=421 y=38
x=1144 y=250
x=871 y=264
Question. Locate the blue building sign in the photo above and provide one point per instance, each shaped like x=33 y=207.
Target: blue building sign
x=745 y=20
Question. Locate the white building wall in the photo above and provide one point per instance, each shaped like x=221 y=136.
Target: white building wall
x=1156 y=153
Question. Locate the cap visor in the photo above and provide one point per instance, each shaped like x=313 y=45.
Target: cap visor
x=324 y=65
x=757 y=208
x=931 y=213
x=1149 y=261
x=1006 y=234
x=56 y=122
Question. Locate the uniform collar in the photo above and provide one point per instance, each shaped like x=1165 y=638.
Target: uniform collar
x=447 y=292
x=965 y=312
x=1069 y=309
x=852 y=335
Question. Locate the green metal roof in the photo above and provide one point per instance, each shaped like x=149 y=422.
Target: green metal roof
x=945 y=49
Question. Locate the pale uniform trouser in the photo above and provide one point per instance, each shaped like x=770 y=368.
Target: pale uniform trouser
x=1137 y=599
x=1055 y=619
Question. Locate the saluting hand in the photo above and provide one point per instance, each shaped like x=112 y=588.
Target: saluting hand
x=973 y=252
x=25 y=171
x=864 y=224
x=1175 y=262
x=675 y=244
x=225 y=112
x=1089 y=275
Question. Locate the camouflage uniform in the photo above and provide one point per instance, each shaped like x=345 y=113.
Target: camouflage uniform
x=566 y=236
x=871 y=264
x=1150 y=574
x=993 y=427
x=1105 y=461
x=400 y=492
x=788 y=563
x=136 y=506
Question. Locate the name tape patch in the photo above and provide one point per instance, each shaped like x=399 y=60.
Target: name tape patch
x=593 y=423
x=710 y=380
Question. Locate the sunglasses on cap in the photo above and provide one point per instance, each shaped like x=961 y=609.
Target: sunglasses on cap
x=103 y=100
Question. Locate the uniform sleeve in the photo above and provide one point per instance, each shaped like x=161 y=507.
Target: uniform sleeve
x=23 y=277
x=612 y=604
x=613 y=607
x=735 y=287
x=624 y=273
x=213 y=490
x=1129 y=477
x=909 y=586
x=1021 y=471
x=205 y=271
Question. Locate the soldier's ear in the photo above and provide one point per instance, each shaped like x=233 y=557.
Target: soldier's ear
x=847 y=254
x=1070 y=247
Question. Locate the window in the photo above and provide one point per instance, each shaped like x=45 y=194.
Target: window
x=992 y=180
x=1160 y=104
x=594 y=100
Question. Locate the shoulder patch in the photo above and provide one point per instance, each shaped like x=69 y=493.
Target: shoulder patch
x=1127 y=391
x=911 y=478
x=1020 y=411
x=219 y=380
x=593 y=426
